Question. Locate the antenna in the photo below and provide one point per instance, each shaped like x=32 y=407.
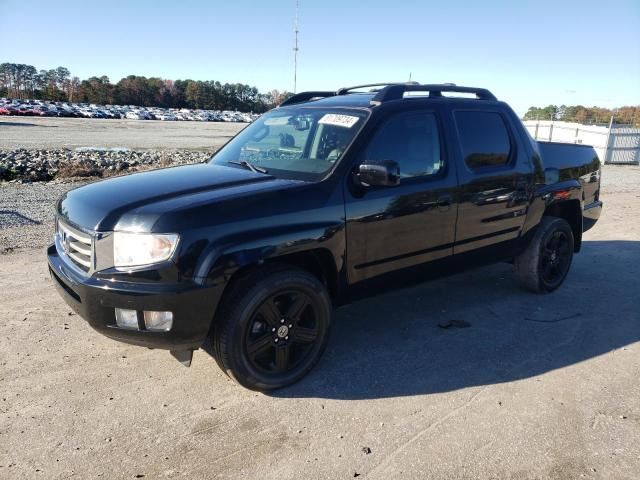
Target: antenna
x=295 y=52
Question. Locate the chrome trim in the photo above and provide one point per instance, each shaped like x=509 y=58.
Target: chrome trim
x=77 y=259
x=103 y=250
x=77 y=234
x=95 y=247
x=76 y=245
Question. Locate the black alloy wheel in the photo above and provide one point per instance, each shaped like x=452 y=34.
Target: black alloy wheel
x=555 y=257
x=545 y=262
x=272 y=327
x=282 y=332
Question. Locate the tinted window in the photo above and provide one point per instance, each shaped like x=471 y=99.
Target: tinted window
x=410 y=139
x=484 y=138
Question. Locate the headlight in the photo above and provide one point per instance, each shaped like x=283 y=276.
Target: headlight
x=134 y=249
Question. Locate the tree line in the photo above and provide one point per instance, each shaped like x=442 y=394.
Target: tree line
x=26 y=82
x=629 y=115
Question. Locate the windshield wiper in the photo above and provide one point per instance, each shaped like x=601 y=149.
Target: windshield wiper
x=248 y=166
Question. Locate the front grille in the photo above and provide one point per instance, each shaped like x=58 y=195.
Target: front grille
x=77 y=245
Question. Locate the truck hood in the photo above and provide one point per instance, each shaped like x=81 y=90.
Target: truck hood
x=100 y=205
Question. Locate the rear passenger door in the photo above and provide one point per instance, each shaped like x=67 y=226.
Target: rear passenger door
x=389 y=228
x=496 y=179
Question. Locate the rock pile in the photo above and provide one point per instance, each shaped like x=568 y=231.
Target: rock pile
x=24 y=165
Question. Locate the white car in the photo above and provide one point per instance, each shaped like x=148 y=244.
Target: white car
x=168 y=116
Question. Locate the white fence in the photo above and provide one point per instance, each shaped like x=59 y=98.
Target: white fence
x=613 y=144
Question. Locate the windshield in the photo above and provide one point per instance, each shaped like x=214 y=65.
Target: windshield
x=301 y=143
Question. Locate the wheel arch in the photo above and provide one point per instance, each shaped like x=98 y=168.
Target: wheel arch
x=571 y=212
x=319 y=262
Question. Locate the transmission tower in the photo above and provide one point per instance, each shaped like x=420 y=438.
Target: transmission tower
x=295 y=52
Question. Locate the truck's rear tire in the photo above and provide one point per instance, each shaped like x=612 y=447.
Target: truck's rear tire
x=273 y=327
x=544 y=264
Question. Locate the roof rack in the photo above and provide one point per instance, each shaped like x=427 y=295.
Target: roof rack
x=396 y=92
x=306 y=96
x=392 y=91
x=345 y=90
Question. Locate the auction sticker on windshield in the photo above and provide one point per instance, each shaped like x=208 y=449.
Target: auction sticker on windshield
x=346 y=121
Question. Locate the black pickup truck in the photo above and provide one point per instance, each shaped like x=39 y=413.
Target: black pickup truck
x=317 y=199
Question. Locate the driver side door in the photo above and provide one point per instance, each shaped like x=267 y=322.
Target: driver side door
x=390 y=228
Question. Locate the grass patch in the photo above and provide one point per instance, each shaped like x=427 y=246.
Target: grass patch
x=83 y=168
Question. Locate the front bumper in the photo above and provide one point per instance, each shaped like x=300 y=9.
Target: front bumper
x=591 y=214
x=95 y=300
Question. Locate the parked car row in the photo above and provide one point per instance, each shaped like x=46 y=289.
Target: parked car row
x=43 y=108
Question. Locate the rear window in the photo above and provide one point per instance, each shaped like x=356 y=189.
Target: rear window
x=484 y=139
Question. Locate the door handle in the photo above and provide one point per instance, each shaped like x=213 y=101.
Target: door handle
x=444 y=202
x=521 y=193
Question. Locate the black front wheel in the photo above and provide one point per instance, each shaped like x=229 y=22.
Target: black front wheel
x=545 y=263
x=272 y=327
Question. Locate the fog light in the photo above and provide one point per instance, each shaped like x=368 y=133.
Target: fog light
x=127 y=318
x=158 y=321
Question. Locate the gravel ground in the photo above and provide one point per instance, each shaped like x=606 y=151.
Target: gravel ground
x=38 y=133
x=620 y=178
x=27 y=212
x=537 y=387
x=42 y=144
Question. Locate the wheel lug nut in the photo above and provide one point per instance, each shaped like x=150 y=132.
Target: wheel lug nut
x=290 y=326
x=282 y=320
x=286 y=338
x=276 y=340
x=273 y=329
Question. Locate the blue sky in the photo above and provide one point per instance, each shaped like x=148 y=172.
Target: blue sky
x=526 y=52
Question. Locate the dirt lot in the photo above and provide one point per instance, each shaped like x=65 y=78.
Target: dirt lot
x=537 y=387
x=33 y=132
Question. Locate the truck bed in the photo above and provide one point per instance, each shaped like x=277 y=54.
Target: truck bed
x=566 y=162
x=571 y=160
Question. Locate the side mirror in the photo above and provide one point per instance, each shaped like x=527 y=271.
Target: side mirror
x=385 y=173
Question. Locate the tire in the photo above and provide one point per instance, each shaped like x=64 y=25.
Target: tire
x=272 y=328
x=545 y=263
